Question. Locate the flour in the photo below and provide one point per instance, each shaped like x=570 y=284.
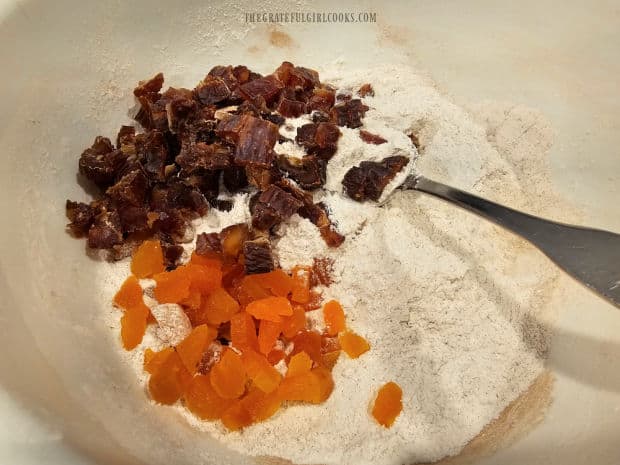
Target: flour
x=448 y=302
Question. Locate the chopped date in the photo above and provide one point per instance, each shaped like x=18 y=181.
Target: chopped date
x=368 y=180
x=202 y=156
x=318 y=139
x=212 y=90
x=322 y=99
x=106 y=230
x=261 y=177
x=291 y=108
x=150 y=88
x=234 y=179
x=297 y=76
x=309 y=172
x=131 y=189
x=226 y=74
x=207 y=243
x=371 y=138
x=254 y=139
x=264 y=217
x=258 y=256
x=101 y=162
x=152 y=151
x=268 y=88
x=349 y=113
x=81 y=216
x=281 y=201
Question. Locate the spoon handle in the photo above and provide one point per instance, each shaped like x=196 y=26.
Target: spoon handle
x=591 y=256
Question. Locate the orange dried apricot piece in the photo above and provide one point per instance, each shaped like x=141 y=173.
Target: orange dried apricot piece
x=291 y=325
x=243 y=331
x=353 y=344
x=268 y=333
x=203 y=279
x=130 y=294
x=133 y=325
x=334 y=317
x=148 y=259
x=277 y=281
x=219 y=307
x=228 y=376
x=193 y=300
x=300 y=363
x=329 y=359
x=236 y=416
x=250 y=289
x=388 y=404
x=330 y=351
x=264 y=376
x=154 y=360
x=202 y=400
x=212 y=262
x=270 y=308
x=309 y=342
x=260 y=405
x=193 y=346
x=301 y=284
x=314 y=386
x=169 y=380
x=172 y=286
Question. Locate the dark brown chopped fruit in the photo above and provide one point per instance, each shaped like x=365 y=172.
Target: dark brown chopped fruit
x=207 y=243
x=365 y=90
x=322 y=269
x=368 y=180
x=234 y=179
x=258 y=256
x=282 y=202
x=157 y=179
x=309 y=172
x=371 y=138
x=322 y=100
x=105 y=231
x=268 y=88
x=415 y=141
x=261 y=177
x=253 y=137
x=152 y=151
x=81 y=216
x=211 y=90
x=318 y=139
x=150 y=88
x=291 y=108
x=349 y=113
x=100 y=162
x=202 y=156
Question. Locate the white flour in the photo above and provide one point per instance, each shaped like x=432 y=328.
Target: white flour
x=446 y=300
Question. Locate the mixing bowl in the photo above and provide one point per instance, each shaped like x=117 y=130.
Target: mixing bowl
x=69 y=68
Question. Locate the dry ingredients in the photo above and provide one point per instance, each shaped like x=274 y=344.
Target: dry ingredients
x=445 y=300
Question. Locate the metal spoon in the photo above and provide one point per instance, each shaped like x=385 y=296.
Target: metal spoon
x=591 y=256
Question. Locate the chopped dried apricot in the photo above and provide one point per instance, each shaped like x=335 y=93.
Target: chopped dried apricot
x=330 y=351
x=219 y=307
x=309 y=342
x=193 y=346
x=291 y=325
x=277 y=281
x=270 y=308
x=169 y=380
x=300 y=363
x=314 y=386
x=228 y=376
x=206 y=261
x=329 y=359
x=202 y=400
x=154 y=360
x=261 y=405
x=250 y=289
x=353 y=344
x=243 y=332
x=130 y=293
x=275 y=356
x=133 y=325
x=334 y=317
x=193 y=301
x=301 y=284
x=388 y=404
x=268 y=333
x=203 y=279
x=172 y=286
x=148 y=259
x=264 y=376
x=236 y=416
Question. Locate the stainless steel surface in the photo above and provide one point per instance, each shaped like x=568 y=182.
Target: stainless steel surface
x=589 y=255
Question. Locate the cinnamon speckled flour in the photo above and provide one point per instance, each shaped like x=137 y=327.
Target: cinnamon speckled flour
x=451 y=305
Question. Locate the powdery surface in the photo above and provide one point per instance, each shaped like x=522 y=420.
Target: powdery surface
x=453 y=307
